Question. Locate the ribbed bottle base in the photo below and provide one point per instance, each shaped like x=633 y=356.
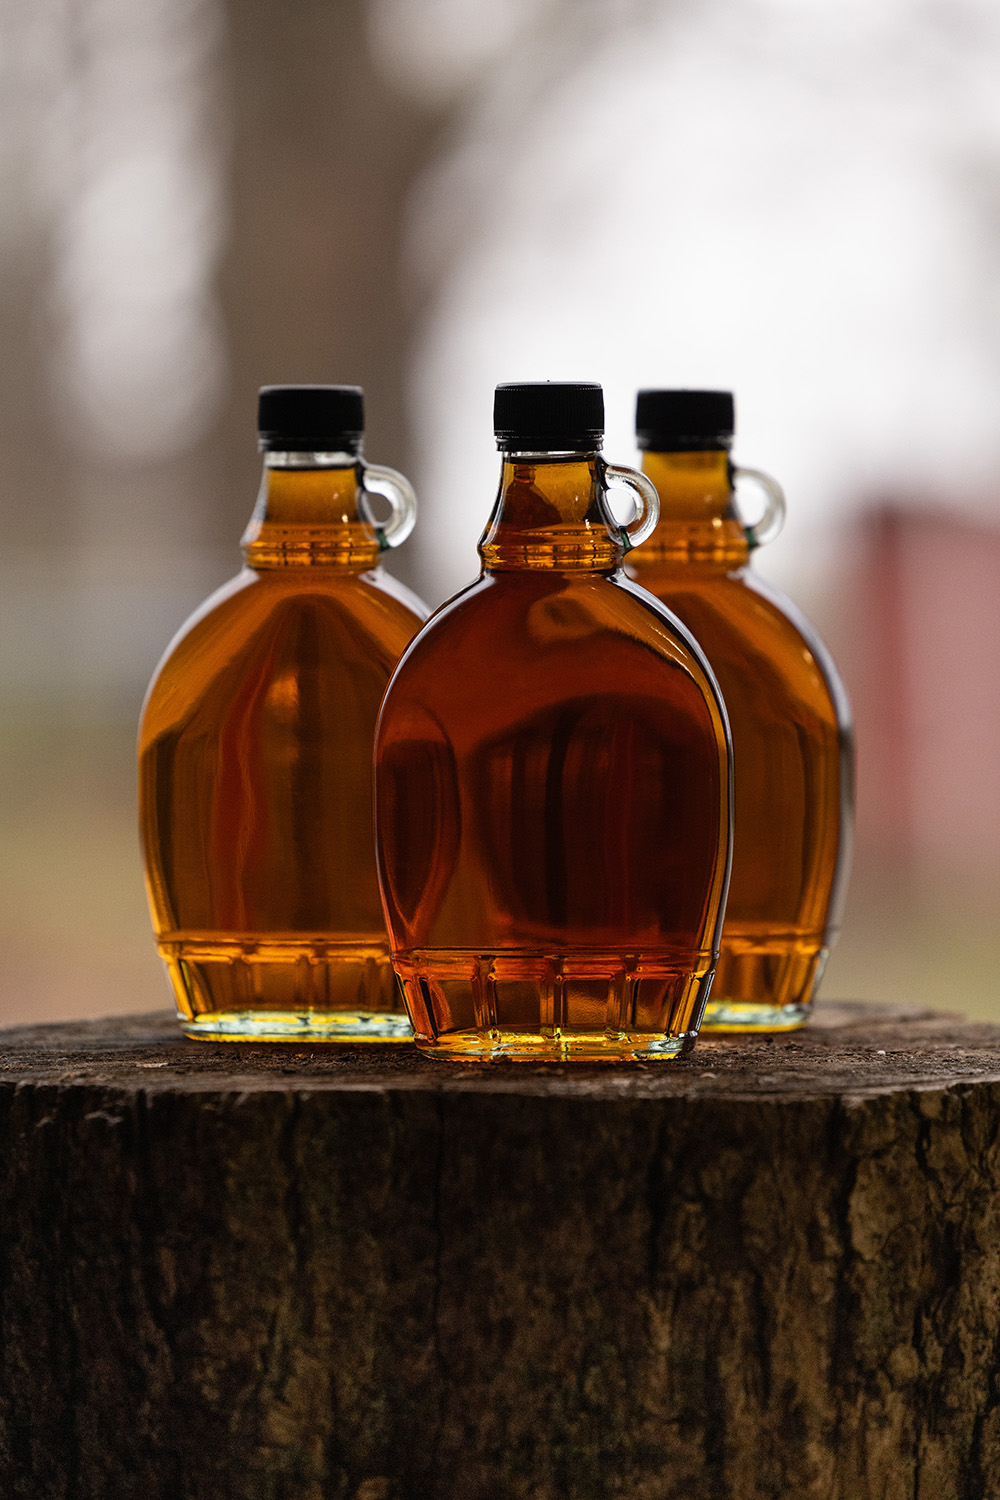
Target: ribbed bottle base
x=765 y=980
x=585 y=1005
x=284 y=987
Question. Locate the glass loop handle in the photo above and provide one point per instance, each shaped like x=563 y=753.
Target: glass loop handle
x=766 y=529
x=399 y=493
x=643 y=523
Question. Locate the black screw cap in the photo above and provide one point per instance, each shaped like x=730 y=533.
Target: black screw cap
x=684 y=421
x=554 y=415
x=311 y=418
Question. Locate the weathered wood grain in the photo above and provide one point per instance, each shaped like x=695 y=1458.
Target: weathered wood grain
x=772 y=1269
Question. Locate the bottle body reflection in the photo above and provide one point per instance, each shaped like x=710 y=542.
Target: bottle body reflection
x=255 y=775
x=792 y=745
x=552 y=797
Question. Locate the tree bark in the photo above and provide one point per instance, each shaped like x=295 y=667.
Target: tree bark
x=772 y=1269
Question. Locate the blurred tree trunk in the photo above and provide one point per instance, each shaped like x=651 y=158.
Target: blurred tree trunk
x=323 y=157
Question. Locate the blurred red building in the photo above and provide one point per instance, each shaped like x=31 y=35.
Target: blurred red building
x=918 y=641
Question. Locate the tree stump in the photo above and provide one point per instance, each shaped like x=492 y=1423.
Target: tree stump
x=281 y=1273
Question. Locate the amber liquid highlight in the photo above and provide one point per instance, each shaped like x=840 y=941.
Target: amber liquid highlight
x=792 y=748
x=552 y=800
x=255 y=780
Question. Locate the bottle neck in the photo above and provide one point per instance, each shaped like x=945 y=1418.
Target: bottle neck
x=311 y=512
x=698 y=521
x=552 y=512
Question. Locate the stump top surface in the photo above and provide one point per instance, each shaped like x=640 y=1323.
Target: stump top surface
x=851 y=1048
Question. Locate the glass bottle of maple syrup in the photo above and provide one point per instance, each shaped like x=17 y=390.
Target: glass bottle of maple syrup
x=552 y=776
x=256 y=742
x=788 y=711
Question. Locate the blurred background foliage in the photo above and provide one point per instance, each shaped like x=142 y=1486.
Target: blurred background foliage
x=795 y=199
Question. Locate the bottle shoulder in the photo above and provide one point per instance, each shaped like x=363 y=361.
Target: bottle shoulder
x=734 y=599
x=533 y=637
x=751 y=631
x=385 y=584
x=253 y=624
x=513 y=611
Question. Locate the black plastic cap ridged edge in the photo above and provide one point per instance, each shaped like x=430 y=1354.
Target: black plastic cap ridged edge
x=311 y=418
x=551 y=415
x=684 y=421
